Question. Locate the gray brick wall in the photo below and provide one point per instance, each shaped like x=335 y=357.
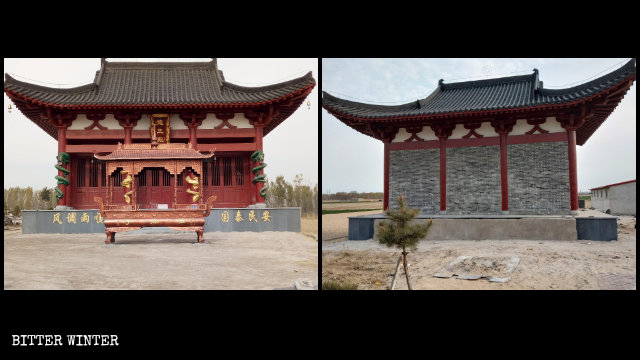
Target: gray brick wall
x=473 y=180
x=538 y=178
x=416 y=174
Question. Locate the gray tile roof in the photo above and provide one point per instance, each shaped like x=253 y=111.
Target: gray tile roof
x=119 y=85
x=131 y=83
x=482 y=96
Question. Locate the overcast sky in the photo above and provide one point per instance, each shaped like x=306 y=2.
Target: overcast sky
x=353 y=161
x=29 y=153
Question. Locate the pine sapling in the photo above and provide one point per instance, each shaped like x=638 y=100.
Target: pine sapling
x=400 y=232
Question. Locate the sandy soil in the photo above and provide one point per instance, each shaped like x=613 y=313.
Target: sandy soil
x=237 y=260
x=309 y=225
x=544 y=264
x=355 y=205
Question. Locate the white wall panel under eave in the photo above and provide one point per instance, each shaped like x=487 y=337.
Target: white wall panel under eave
x=426 y=134
x=458 y=132
x=240 y=121
x=144 y=123
x=486 y=130
x=81 y=122
x=110 y=122
x=402 y=135
x=176 y=123
x=520 y=128
x=210 y=122
x=552 y=125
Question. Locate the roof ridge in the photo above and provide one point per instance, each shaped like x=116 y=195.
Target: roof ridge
x=144 y=65
x=488 y=82
x=426 y=100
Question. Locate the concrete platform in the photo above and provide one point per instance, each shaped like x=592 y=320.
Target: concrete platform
x=499 y=227
x=226 y=220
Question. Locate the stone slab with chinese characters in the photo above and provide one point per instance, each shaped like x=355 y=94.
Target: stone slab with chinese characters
x=253 y=219
x=90 y=221
x=62 y=222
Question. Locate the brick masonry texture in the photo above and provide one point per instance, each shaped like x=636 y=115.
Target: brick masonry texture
x=416 y=174
x=538 y=178
x=473 y=180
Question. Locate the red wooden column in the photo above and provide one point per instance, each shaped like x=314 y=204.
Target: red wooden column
x=256 y=198
x=443 y=174
x=573 y=170
x=571 y=123
x=385 y=203
x=62 y=147
x=443 y=131
x=503 y=127
x=62 y=122
x=386 y=134
x=128 y=121
x=193 y=121
x=259 y=119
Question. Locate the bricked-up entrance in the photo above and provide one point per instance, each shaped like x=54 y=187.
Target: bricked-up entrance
x=487 y=147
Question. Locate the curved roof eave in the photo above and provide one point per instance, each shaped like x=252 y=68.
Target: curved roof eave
x=307 y=78
x=528 y=85
x=10 y=80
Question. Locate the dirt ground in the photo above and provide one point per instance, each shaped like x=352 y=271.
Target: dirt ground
x=232 y=260
x=354 y=205
x=309 y=225
x=544 y=264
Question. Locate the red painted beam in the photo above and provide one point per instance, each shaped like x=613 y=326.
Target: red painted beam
x=175 y=134
x=94 y=148
x=228 y=147
x=226 y=133
x=90 y=148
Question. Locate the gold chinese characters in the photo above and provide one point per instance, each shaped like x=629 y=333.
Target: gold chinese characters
x=265 y=216
x=71 y=218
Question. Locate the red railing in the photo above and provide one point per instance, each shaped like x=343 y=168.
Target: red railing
x=190 y=206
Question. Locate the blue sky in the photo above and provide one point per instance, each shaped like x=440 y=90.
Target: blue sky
x=29 y=153
x=353 y=161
